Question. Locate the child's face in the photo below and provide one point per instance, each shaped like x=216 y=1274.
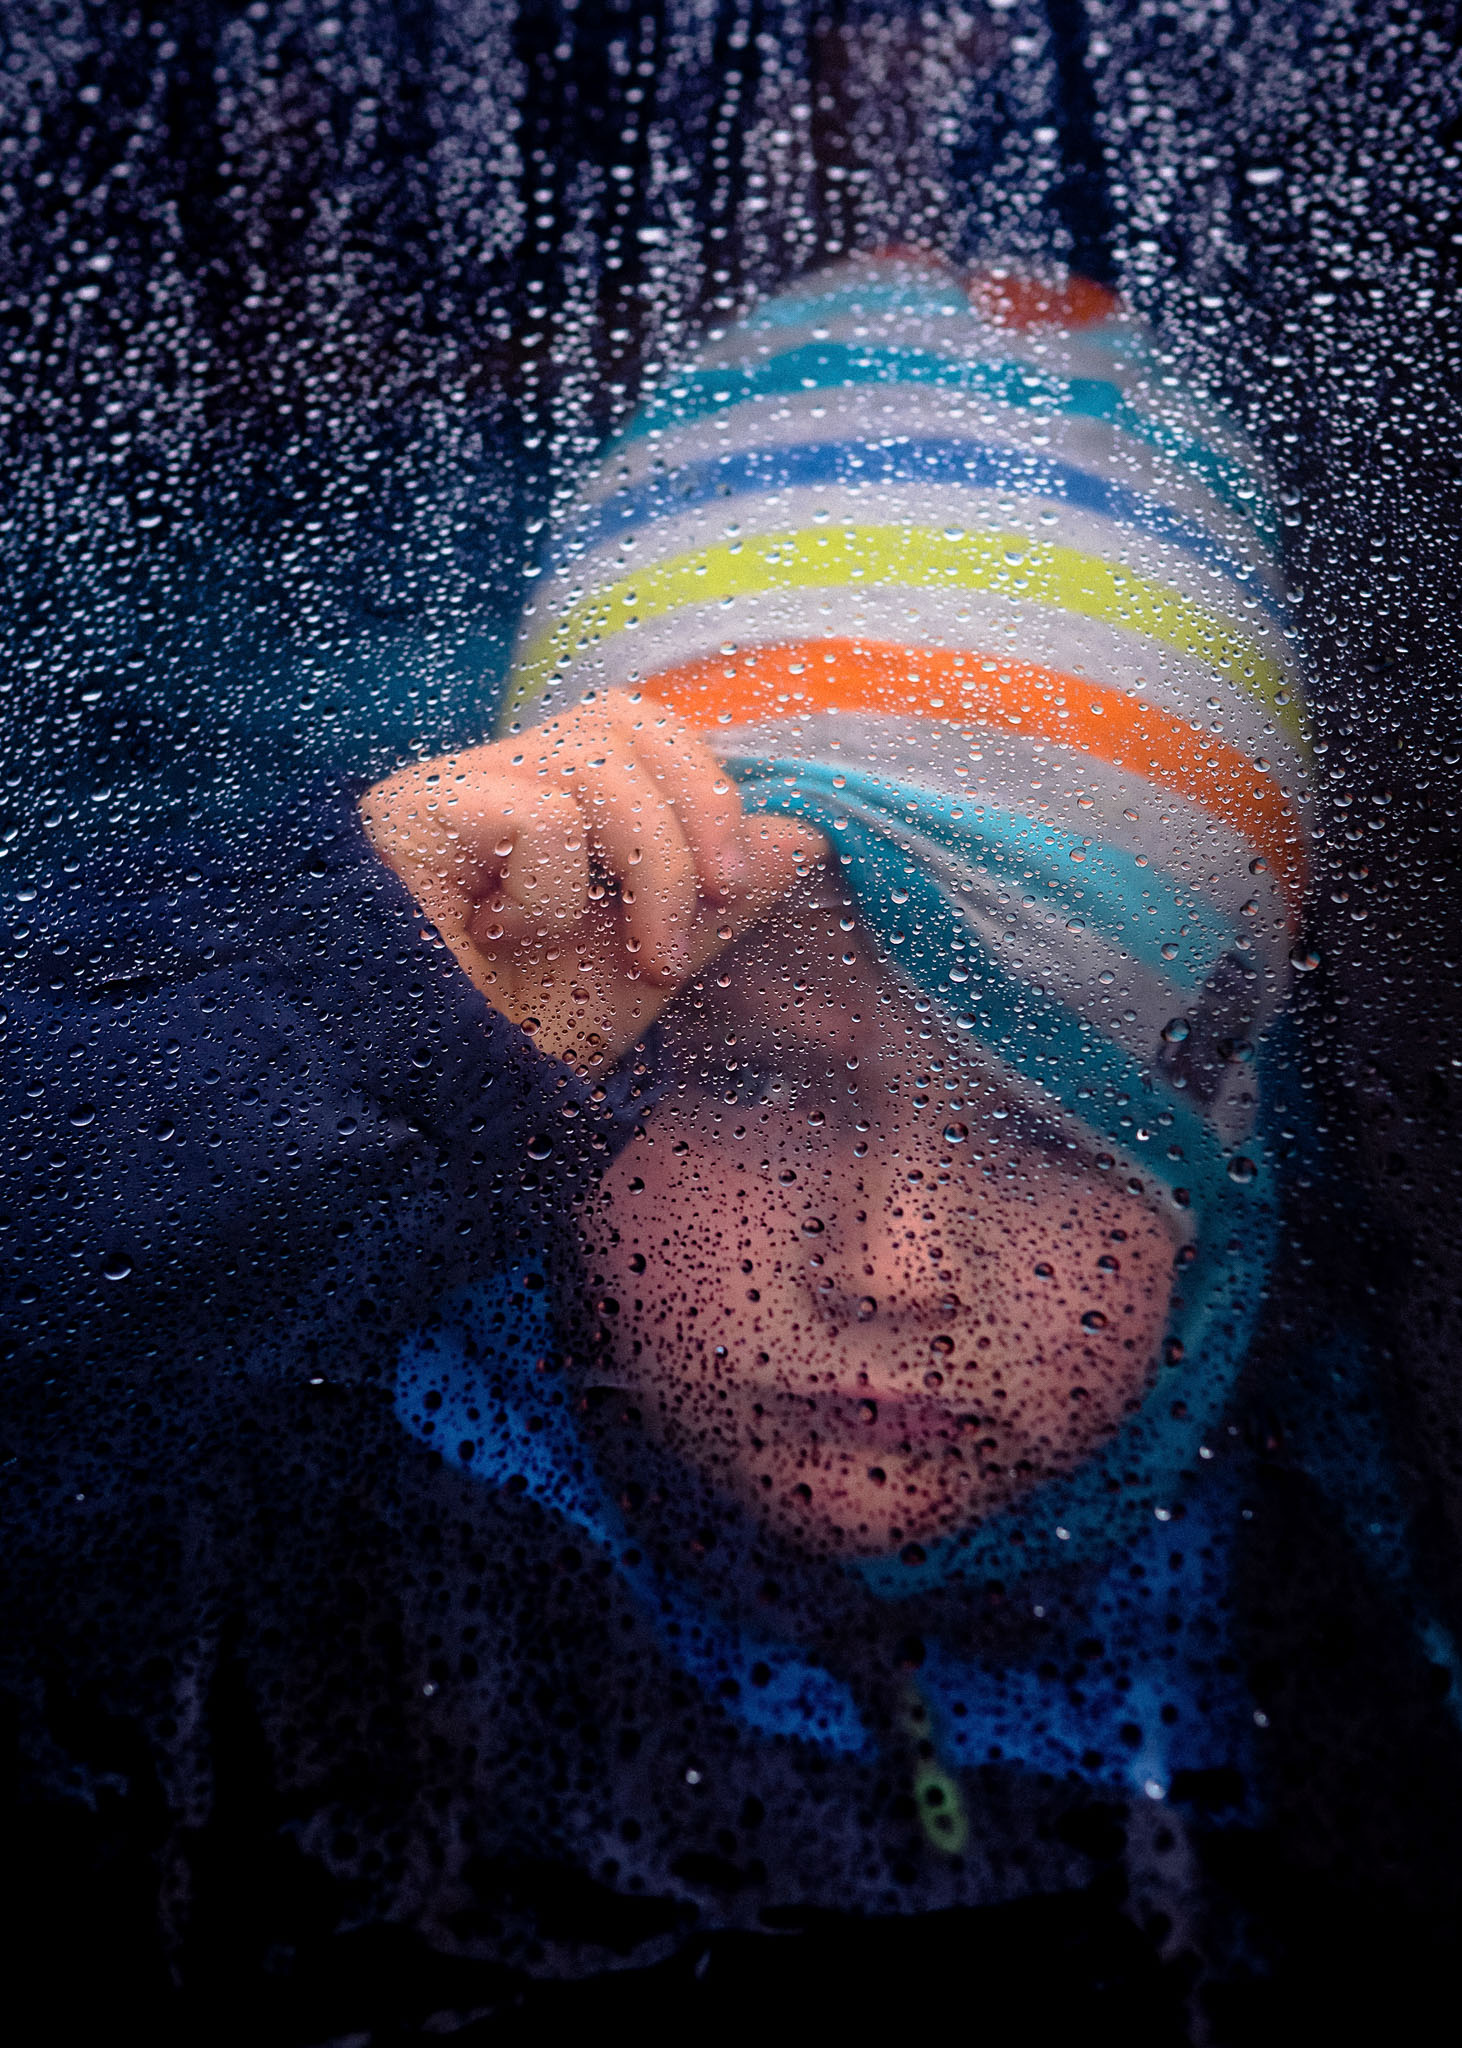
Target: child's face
x=863 y=1303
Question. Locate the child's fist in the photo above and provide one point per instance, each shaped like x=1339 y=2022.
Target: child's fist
x=582 y=872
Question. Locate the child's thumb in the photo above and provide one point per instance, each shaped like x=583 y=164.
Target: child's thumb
x=782 y=851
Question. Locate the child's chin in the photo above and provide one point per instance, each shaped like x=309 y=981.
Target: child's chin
x=847 y=1514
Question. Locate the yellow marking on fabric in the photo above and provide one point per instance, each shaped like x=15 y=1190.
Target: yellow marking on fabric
x=916 y=557
x=937 y=1796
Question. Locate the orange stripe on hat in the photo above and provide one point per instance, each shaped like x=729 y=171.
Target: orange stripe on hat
x=1024 y=303
x=789 y=679
x=1012 y=298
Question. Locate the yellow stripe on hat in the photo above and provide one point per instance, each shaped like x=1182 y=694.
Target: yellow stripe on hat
x=915 y=557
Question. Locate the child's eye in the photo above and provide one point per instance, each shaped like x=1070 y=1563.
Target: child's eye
x=752 y=1085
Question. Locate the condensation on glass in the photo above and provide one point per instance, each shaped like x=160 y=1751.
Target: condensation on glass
x=727 y=883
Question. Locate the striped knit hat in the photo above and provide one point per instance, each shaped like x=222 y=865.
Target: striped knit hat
x=953 y=570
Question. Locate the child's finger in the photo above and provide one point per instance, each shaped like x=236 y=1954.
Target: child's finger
x=414 y=830
x=397 y=819
x=541 y=859
x=451 y=825
x=782 y=852
x=640 y=840
x=706 y=800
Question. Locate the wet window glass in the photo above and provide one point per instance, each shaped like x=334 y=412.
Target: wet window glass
x=727 y=889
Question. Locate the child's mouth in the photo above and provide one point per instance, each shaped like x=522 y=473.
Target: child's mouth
x=861 y=1419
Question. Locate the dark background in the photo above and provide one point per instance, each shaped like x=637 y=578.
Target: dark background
x=307 y=314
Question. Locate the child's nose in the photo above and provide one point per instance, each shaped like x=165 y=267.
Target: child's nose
x=880 y=1241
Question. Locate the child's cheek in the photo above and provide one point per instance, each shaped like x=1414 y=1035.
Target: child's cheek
x=1088 y=1287
x=669 y=1236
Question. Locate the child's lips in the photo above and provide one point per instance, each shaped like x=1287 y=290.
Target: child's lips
x=862 y=1418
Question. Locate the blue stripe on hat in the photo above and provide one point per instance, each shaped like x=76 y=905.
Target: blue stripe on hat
x=833 y=366
x=976 y=465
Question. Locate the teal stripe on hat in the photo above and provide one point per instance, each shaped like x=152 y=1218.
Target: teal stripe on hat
x=836 y=366
x=1048 y=1041
x=926 y=297
x=1116 y=891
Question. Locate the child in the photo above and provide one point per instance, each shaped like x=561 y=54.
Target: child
x=939 y=1243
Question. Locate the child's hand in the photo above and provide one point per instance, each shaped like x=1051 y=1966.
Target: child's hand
x=585 y=870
